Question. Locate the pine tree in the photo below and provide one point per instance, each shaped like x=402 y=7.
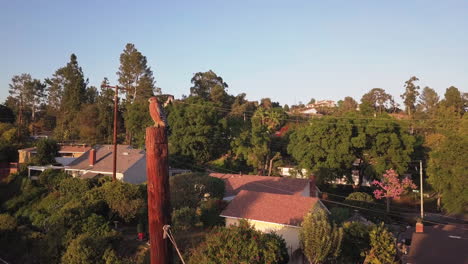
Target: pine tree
x=69 y=87
x=135 y=75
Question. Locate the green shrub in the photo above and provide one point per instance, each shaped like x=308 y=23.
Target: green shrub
x=209 y=212
x=339 y=214
x=47 y=150
x=355 y=242
x=7 y=223
x=184 y=218
x=187 y=190
x=51 y=179
x=240 y=244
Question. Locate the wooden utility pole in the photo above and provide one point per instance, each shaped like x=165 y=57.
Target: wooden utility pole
x=421 y=187
x=116 y=108
x=116 y=105
x=157 y=171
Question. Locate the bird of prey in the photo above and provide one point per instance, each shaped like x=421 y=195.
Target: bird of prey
x=157 y=112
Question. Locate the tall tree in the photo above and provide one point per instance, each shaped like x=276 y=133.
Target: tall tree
x=204 y=83
x=453 y=99
x=324 y=147
x=410 y=95
x=27 y=95
x=328 y=147
x=348 y=104
x=255 y=146
x=320 y=241
x=135 y=75
x=196 y=131
x=377 y=98
x=69 y=86
x=447 y=170
x=428 y=100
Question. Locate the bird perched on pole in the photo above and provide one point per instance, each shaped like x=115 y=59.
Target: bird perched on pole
x=157 y=112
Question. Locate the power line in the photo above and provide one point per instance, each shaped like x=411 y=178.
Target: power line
x=344 y=204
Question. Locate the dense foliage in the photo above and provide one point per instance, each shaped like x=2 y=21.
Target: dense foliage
x=60 y=219
x=240 y=244
x=320 y=240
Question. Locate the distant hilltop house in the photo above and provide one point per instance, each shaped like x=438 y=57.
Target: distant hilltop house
x=314 y=109
x=271 y=204
x=98 y=162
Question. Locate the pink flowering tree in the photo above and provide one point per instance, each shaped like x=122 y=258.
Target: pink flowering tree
x=391 y=187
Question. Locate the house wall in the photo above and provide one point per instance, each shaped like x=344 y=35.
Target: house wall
x=289 y=233
x=136 y=174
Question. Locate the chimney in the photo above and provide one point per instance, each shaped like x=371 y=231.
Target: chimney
x=312 y=186
x=92 y=157
x=419 y=227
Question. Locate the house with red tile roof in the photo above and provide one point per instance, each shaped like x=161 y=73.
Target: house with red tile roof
x=271 y=204
x=235 y=183
x=272 y=212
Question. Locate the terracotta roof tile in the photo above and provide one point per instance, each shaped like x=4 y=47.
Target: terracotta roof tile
x=270 y=207
x=279 y=185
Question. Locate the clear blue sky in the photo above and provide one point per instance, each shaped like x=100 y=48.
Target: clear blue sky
x=287 y=50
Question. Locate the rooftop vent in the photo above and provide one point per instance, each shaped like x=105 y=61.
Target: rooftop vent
x=125 y=153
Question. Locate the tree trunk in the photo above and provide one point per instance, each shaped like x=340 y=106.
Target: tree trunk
x=388 y=204
x=438 y=202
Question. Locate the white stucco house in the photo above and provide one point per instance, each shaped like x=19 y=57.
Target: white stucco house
x=269 y=212
x=271 y=204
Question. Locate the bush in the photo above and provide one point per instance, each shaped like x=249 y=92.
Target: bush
x=47 y=150
x=7 y=223
x=360 y=197
x=73 y=187
x=187 y=190
x=210 y=210
x=339 y=214
x=125 y=199
x=51 y=179
x=355 y=242
x=184 y=218
x=240 y=244
x=88 y=248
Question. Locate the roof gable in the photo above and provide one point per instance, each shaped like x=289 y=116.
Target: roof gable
x=270 y=207
x=280 y=185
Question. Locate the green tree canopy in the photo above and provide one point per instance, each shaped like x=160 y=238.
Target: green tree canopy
x=320 y=241
x=47 y=150
x=207 y=84
x=69 y=91
x=410 y=95
x=240 y=244
x=135 y=75
x=196 y=131
x=382 y=246
x=447 y=171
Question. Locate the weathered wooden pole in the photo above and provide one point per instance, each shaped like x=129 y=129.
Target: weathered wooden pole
x=157 y=171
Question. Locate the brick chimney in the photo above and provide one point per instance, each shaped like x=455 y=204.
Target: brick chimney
x=419 y=227
x=92 y=157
